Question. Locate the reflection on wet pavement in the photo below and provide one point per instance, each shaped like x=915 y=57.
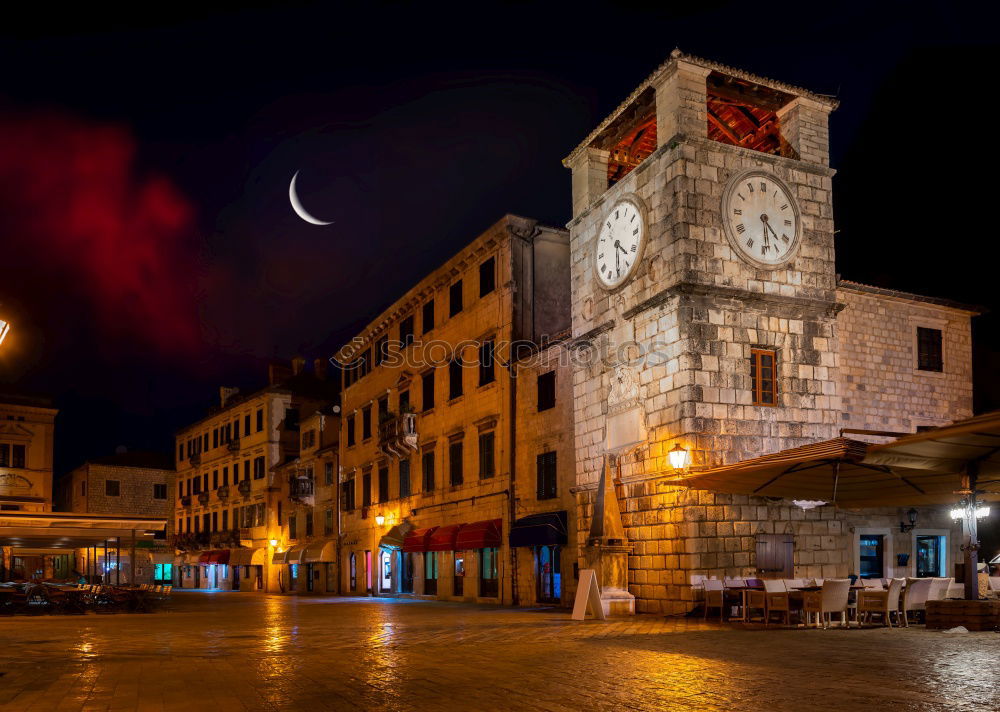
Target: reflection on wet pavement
x=247 y=652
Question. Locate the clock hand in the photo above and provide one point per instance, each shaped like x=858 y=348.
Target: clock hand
x=763 y=220
x=618 y=245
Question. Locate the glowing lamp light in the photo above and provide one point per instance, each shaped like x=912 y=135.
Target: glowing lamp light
x=959 y=512
x=379 y=519
x=274 y=542
x=4 y=329
x=678 y=457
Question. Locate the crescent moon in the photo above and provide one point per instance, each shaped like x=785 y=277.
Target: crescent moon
x=297 y=205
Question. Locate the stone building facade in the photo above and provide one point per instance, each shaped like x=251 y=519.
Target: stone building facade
x=27 y=430
x=306 y=553
x=133 y=484
x=737 y=352
x=456 y=439
x=228 y=497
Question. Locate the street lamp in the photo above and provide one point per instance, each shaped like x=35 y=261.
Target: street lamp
x=4 y=330
x=678 y=457
x=379 y=519
x=912 y=516
x=274 y=542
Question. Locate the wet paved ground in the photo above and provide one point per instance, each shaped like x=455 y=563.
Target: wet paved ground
x=243 y=652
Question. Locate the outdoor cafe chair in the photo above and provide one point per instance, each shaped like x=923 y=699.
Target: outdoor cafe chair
x=824 y=603
x=915 y=597
x=776 y=600
x=714 y=598
x=939 y=588
x=884 y=603
x=872 y=584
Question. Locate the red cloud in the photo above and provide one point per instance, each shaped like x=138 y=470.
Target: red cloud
x=75 y=210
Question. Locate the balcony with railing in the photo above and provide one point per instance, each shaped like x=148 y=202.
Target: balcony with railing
x=185 y=501
x=195 y=458
x=223 y=492
x=397 y=434
x=203 y=497
x=233 y=445
x=301 y=488
x=244 y=487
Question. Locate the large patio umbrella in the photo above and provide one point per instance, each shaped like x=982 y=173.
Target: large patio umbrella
x=958 y=463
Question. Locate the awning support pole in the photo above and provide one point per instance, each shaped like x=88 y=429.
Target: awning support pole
x=131 y=561
x=118 y=560
x=971 y=545
x=104 y=570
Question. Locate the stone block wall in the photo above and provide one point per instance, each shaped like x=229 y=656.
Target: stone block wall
x=881 y=386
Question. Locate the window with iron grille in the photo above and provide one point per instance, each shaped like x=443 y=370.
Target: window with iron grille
x=930 y=351
x=383 y=484
x=455 y=463
x=427 y=320
x=455 y=379
x=487 y=277
x=546 y=470
x=427 y=466
x=427 y=389
x=455 y=298
x=763 y=376
x=487 y=463
x=487 y=372
x=546 y=390
x=404 y=478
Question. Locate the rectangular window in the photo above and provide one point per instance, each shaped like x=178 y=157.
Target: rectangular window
x=366 y=489
x=236 y=429
x=366 y=422
x=427 y=320
x=487 y=277
x=930 y=351
x=427 y=465
x=246 y=423
x=205 y=443
x=404 y=402
x=4 y=455
x=350 y=430
x=260 y=420
x=455 y=379
x=348 y=495
x=487 y=372
x=430 y=573
x=225 y=519
x=487 y=465
x=406 y=332
x=383 y=484
x=546 y=468
x=763 y=377
x=327 y=473
x=488 y=579
x=455 y=298
x=215 y=521
x=215 y=479
x=309 y=522
x=381 y=349
x=215 y=437
x=225 y=476
x=292 y=527
x=258 y=468
x=383 y=408
x=546 y=390
x=112 y=488
x=427 y=389
x=180 y=453
x=404 y=478
x=159 y=491
x=291 y=418
x=246 y=469
x=455 y=463
x=17 y=456
x=328 y=522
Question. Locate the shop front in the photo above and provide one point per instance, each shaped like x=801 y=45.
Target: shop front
x=545 y=536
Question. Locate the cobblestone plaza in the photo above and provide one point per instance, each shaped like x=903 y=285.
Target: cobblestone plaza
x=224 y=652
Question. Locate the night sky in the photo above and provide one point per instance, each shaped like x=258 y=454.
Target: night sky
x=150 y=254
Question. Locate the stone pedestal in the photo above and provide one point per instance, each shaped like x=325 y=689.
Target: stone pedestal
x=610 y=565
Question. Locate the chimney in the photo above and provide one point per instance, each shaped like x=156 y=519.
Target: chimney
x=319 y=368
x=225 y=394
x=298 y=363
x=277 y=373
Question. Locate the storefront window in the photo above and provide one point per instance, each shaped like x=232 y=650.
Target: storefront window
x=872 y=555
x=931 y=555
x=488 y=583
x=163 y=573
x=354 y=572
x=549 y=575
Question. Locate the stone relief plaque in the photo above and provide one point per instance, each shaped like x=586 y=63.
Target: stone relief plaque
x=626 y=420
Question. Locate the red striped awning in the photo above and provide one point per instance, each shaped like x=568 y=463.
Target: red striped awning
x=444 y=538
x=219 y=556
x=480 y=535
x=418 y=539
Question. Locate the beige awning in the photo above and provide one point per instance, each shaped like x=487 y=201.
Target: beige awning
x=243 y=557
x=72 y=530
x=395 y=536
x=320 y=551
x=921 y=469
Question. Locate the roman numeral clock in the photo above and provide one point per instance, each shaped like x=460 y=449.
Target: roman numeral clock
x=620 y=242
x=761 y=219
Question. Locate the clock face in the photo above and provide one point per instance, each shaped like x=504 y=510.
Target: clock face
x=620 y=243
x=761 y=219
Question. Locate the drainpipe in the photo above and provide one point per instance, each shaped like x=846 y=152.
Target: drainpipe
x=511 y=491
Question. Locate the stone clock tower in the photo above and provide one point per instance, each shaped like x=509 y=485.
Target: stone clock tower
x=702 y=250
